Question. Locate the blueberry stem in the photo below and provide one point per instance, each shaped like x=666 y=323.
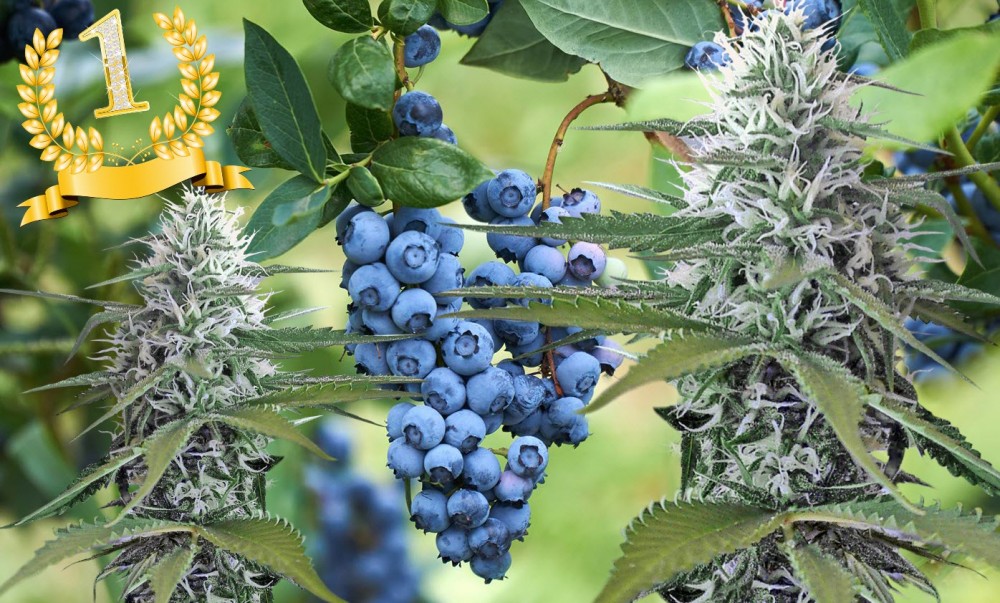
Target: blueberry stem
x=408 y=492
x=560 y=137
x=984 y=124
x=399 y=53
x=728 y=16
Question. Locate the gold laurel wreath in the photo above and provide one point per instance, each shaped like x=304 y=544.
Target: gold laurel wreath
x=80 y=150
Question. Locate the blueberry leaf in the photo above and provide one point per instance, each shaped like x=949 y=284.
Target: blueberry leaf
x=348 y=16
x=403 y=17
x=363 y=72
x=369 y=127
x=251 y=145
x=270 y=240
x=463 y=12
x=283 y=103
x=426 y=172
x=890 y=26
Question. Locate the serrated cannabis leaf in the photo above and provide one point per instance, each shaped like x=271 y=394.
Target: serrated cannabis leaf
x=283 y=103
x=348 y=16
x=297 y=340
x=159 y=452
x=351 y=389
x=169 y=571
x=913 y=198
x=641 y=192
x=426 y=172
x=269 y=423
x=270 y=240
x=463 y=12
x=272 y=543
x=631 y=41
x=511 y=45
x=890 y=26
x=825 y=578
x=668 y=540
x=362 y=71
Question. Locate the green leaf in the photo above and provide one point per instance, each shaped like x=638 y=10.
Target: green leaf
x=823 y=576
x=945 y=291
x=927 y=37
x=348 y=16
x=426 y=172
x=351 y=389
x=127 y=398
x=841 y=398
x=90 y=379
x=867 y=130
x=81 y=538
x=159 y=452
x=365 y=187
x=283 y=103
x=919 y=196
x=944 y=99
x=678 y=356
x=92 y=323
x=369 y=127
x=890 y=27
x=946 y=316
x=944 y=443
x=363 y=72
x=270 y=240
x=169 y=571
x=297 y=340
x=631 y=45
x=71 y=298
x=93 y=479
x=338 y=202
x=511 y=45
x=668 y=540
x=314 y=197
x=272 y=543
x=641 y=192
x=986 y=277
x=403 y=17
x=693 y=128
x=251 y=145
x=269 y=423
x=463 y=12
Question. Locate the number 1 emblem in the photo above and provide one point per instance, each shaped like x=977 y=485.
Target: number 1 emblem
x=108 y=30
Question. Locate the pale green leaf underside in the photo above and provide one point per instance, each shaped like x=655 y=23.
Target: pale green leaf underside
x=824 y=577
x=159 y=451
x=169 y=571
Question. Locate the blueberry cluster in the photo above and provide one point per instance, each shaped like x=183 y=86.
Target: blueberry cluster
x=362 y=548
x=473 y=30
x=23 y=17
x=707 y=55
x=418 y=113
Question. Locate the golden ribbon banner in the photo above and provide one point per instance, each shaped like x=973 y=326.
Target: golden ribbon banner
x=133 y=182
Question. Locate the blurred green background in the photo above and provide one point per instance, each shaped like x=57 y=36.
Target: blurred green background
x=590 y=494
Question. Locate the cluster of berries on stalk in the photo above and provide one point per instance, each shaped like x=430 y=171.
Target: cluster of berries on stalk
x=418 y=113
x=20 y=18
x=825 y=14
x=362 y=544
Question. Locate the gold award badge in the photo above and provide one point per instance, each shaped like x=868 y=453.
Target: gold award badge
x=79 y=155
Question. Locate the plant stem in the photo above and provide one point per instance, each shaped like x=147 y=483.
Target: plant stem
x=965 y=208
x=557 y=142
x=927 y=10
x=963 y=158
x=399 y=54
x=984 y=125
x=727 y=16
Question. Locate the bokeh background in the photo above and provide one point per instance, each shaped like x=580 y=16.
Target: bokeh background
x=590 y=493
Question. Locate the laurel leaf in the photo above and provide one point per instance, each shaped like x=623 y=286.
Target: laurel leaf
x=38 y=41
x=208 y=115
x=179 y=19
x=47 y=94
x=55 y=38
x=50 y=153
x=28 y=75
x=174 y=38
x=188 y=105
x=50 y=110
x=210 y=99
x=31 y=57
x=183 y=54
x=163 y=21
x=28 y=110
x=162 y=151
x=63 y=162
x=69 y=136
x=79 y=164
x=193 y=140
x=169 y=128
x=96 y=140
x=179 y=149
x=33 y=126
x=190 y=87
x=49 y=58
x=188 y=70
x=155 y=130
x=41 y=141
x=95 y=162
x=200 y=47
x=207 y=65
x=28 y=94
x=180 y=118
x=202 y=129
x=57 y=125
x=81 y=139
x=45 y=76
x=210 y=81
x=190 y=33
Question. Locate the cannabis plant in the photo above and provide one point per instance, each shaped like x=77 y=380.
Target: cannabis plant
x=780 y=321
x=196 y=391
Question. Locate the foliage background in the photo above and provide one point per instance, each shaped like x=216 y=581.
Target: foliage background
x=590 y=493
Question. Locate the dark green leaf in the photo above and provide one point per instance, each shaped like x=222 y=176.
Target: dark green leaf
x=283 y=103
x=270 y=240
x=269 y=423
x=363 y=72
x=369 y=127
x=866 y=130
x=348 y=16
x=926 y=37
x=631 y=44
x=350 y=389
x=297 y=340
x=159 y=452
x=426 y=172
x=169 y=571
x=403 y=17
x=463 y=12
x=890 y=26
x=338 y=202
x=309 y=198
x=694 y=127
x=251 y=145
x=825 y=578
x=365 y=187
x=511 y=45
x=641 y=192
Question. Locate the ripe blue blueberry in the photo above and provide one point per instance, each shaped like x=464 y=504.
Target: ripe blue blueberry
x=412 y=257
x=443 y=464
x=422 y=47
x=335 y=441
x=563 y=423
x=554 y=215
x=22 y=25
x=429 y=510
x=491 y=568
x=73 y=16
x=427 y=221
x=530 y=425
x=482 y=470
x=468 y=508
x=345 y=217
x=516 y=518
x=739 y=18
x=586 y=261
x=706 y=56
x=490 y=274
x=578 y=374
x=511 y=248
x=491 y=329
x=369 y=359
x=477 y=206
x=442 y=324
x=528 y=457
x=531 y=279
x=546 y=261
x=380 y=323
x=453 y=545
x=570 y=280
x=373 y=287
x=464 y=430
x=493 y=422
x=512 y=193
x=513 y=488
x=346 y=272
x=578 y=202
x=529 y=354
x=446 y=134
x=449 y=276
x=529 y=392
x=405 y=461
x=468 y=349
x=536 y=214
x=511 y=367
x=414 y=310
x=411 y=358
x=423 y=427
x=366 y=238
x=452 y=239
x=490 y=391
x=610 y=356
x=864 y=69
x=417 y=114
x=516 y=332
x=394 y=419
x=490 y=540
x=444 y=391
